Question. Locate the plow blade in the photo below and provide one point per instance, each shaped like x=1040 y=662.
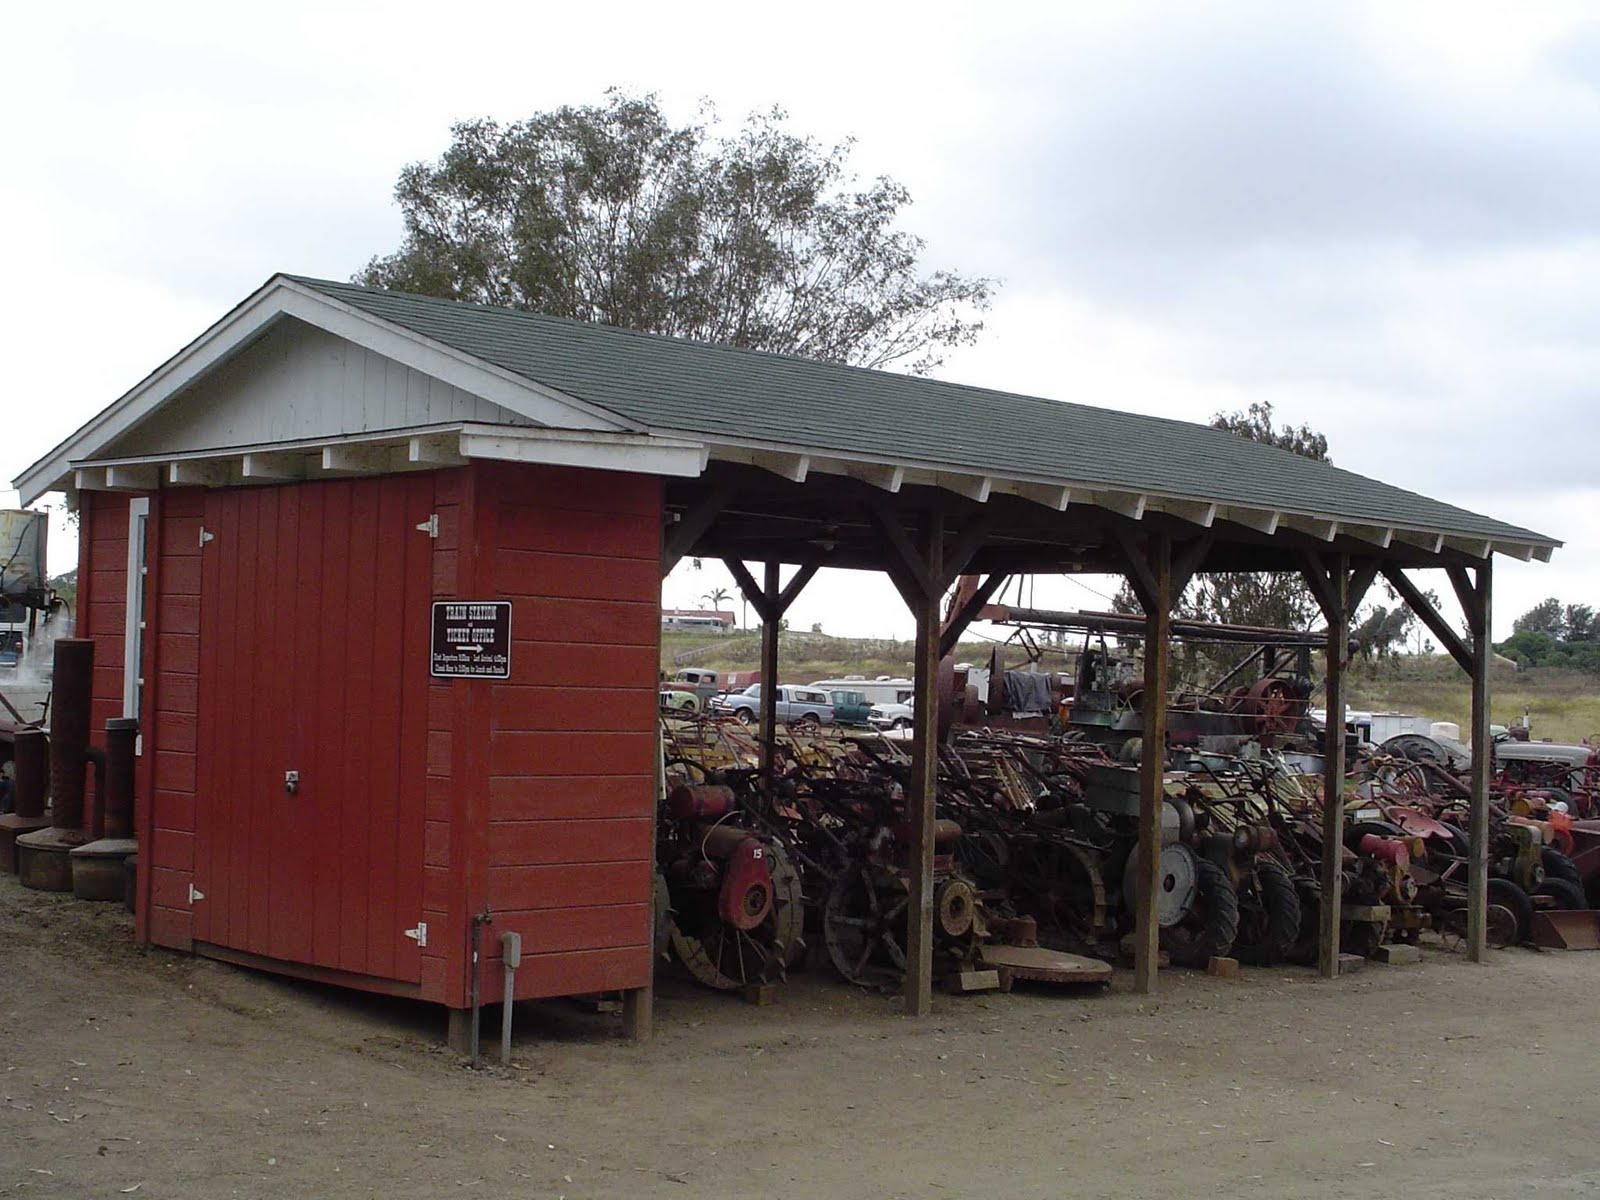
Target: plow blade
x=1567 y=929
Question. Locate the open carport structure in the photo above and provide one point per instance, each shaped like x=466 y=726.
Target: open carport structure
x=553 y=467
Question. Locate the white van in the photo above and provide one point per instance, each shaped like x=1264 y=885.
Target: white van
x=882 y=690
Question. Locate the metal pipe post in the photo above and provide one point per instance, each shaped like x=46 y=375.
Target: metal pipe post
x=770 y=628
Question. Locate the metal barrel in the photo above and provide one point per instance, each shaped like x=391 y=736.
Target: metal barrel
x=31 y=757
x=69 y=729
x=122 y=735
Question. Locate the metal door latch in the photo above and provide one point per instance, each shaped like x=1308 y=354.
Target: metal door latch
x=195 y=894
x=291 y=782
x=419 y=935
x=430 y=526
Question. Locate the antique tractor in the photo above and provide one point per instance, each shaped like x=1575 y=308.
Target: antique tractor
x=864 y=918
x=733 y=909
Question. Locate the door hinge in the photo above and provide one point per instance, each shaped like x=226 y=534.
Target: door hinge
x=195 y=894
x=419 y=935
x=430 y=526
x=206 y=535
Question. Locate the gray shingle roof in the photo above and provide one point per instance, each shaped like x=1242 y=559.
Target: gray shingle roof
x=672 y=385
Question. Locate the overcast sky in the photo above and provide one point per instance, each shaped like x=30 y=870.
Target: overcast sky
x=1384 y=219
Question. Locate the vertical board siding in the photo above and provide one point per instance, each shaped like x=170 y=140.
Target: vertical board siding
x=311 y=657
x=571 y=742
x=298 y=382
x=171 y=717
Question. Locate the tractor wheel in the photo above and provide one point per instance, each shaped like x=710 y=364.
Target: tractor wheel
x=1558 y=866
x=1269 y=928
x=1514 y=900
x=1210 y=928
x=1564 y=892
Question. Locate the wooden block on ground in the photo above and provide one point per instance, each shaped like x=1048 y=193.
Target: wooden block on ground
x=1349 y=963
x=760 y=994
x=973 y=981
x=1223 y=968
x=1398 y=954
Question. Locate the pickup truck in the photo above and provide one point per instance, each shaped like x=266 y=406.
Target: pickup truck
x=796 y=705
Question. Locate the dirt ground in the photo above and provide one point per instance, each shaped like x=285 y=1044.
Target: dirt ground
x=124 y=1072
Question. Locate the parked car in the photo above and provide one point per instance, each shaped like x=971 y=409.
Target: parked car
x=795 y=705
x=704 y=684
x=890 y=716
x=678 y=699
x=849 y=707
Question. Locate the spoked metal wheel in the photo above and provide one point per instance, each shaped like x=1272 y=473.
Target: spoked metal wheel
x=864 y=925
x=1060 y=886
x=726 y=957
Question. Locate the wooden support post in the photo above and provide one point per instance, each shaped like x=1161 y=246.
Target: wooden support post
x=922 y=792
x=1337 y=613
x=770 y=628
x=1478 y=615
x=638 y=1013
x=1152 y=762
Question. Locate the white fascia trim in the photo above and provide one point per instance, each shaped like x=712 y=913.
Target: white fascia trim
x=600 y=451
x=280 y=297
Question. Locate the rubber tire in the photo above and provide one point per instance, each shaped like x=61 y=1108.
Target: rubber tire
x=1506 y=893
x=1458 y=836
x=900 y=723
x=1282 y=904
x=1566 y=893
x=745 y=716
x=1558 y=866
x=1222 y=917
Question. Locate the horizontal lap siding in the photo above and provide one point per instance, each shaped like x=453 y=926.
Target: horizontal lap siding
x=571 y=748
x=172 y=716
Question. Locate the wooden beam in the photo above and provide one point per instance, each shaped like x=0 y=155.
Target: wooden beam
x=922 y=787
x=1379 y=535
x=1196 y=513
x=973 y=487
x=1471 y=547
x=1362 y=576
x=753 y=592
x=1152 y=766
x=1056 y=498
x=1432 y=543
x=793 y=467
x=442 y=450
x=1315 y=573
x=1124 y=504
x=1449 y=639
x=273 y=467
x=1478 y=616
x=957 y=625
x=1543 y=553
x=89 y=479
x=1332 y=892
x=886 y=478
x=1260 y=519
x=200 y=472
x=771 y=627
x=910 y=567
x=1518 y=550
x=1317 y=527
x=1467 y=595
x=141 y=477
x=357 y=460
x=786 y=597
x=973 y=536
x=1187 y=561
x=1136 y=569
x=692 y=524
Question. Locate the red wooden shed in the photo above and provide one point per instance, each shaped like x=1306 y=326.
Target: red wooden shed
x=380 y=576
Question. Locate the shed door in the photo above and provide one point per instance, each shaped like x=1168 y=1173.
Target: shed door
x=314 y=628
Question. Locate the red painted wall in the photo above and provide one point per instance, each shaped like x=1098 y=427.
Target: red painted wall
x=571 y=757
x=534 y=797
